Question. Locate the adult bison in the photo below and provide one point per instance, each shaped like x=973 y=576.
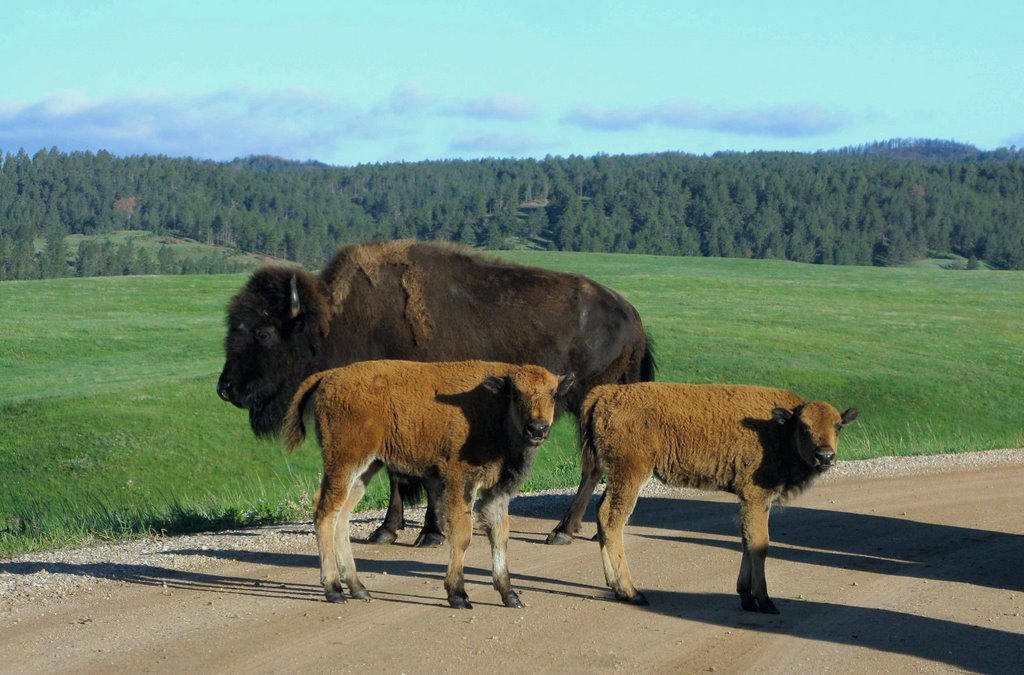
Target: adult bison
x=426 y=302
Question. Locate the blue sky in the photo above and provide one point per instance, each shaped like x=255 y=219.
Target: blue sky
x=352 y=81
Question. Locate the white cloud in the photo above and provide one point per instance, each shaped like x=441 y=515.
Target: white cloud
x=496 y=107
x=496 y=142
x=779 y=121
x=297 y=124
x=409 y=97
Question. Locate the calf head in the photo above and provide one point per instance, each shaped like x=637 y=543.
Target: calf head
x=277 y=325
x=532 y=394
x=815 y=427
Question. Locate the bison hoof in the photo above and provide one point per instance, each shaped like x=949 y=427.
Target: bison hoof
x=752 y=604
x=361 y=594
x=512 y=600
x=429 y=540
x=559 y=538
x=459 y=602
x=382 y=535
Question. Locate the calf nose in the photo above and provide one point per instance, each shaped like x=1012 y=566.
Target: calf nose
x=825 y=456
x=538 y=429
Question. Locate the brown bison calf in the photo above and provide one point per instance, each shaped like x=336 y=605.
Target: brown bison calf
x=760 y=444
x=462 y=427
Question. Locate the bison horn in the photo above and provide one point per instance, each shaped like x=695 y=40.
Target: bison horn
x=295 y=296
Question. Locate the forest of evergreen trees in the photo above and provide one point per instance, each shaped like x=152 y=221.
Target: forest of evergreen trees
x=879 y=204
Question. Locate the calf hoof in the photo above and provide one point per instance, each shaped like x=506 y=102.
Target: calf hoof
x=512 y=600
x=334 y=596
x=382 y=535
x=638 y=599
x=361 y=594
x=333 y=591
x=766 y=606
x=559 y=538
x=429 y=540
x=459 y=602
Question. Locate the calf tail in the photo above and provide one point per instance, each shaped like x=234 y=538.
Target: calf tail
x=294 y=424
x=586 y=421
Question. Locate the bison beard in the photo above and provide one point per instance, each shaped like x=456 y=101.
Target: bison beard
x=426 y=302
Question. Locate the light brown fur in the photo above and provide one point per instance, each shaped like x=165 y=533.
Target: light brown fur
x=462 y=426
x=761 y=444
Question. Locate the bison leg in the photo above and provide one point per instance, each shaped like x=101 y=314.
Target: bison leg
x=751 y=584
x=494 y=513
x=613 y=512
x=431 y=536
x=394 y=519
x=460 y=532
x=572 y=521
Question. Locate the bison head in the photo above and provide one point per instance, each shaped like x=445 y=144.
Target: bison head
x=277 y=326
x=533 y=393
x=816 y=427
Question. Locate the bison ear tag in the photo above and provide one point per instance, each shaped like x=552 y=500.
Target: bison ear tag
x=295 y=297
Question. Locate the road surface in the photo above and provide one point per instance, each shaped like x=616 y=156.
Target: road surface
x=904 y=573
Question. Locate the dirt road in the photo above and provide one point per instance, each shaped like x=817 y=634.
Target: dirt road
x=907 y=573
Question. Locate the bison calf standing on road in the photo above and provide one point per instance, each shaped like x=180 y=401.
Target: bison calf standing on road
x=760 y=444
x=462 y=427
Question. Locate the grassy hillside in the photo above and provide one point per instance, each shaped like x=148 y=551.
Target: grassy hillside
x=110 y=425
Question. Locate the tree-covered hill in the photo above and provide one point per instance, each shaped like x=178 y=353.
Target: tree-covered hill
x=879 y=204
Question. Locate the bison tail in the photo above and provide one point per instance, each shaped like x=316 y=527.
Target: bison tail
x=648 y=365
x=294 y=424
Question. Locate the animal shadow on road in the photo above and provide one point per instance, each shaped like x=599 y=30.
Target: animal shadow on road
x=846 y=541
x=967 y=647
x=171 y=579
x=850 y=541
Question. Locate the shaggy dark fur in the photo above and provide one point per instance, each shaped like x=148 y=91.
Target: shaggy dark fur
x=426 y=302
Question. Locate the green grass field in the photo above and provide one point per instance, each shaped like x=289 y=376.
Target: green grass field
x=110 y=425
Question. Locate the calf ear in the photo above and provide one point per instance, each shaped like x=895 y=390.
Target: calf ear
x=495 y=384
x=565 y=383
x=849 y=415
x=781 y=415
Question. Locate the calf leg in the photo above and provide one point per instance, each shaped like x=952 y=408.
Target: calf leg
x=494 y=513
x=752 y=585
x=460 y=532
x=331 y=499
x=613 y=512
x=343 y=543
x=572 y=521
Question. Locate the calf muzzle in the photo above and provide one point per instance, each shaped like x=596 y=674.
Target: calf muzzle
x=824 y=457
x=537 y=432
